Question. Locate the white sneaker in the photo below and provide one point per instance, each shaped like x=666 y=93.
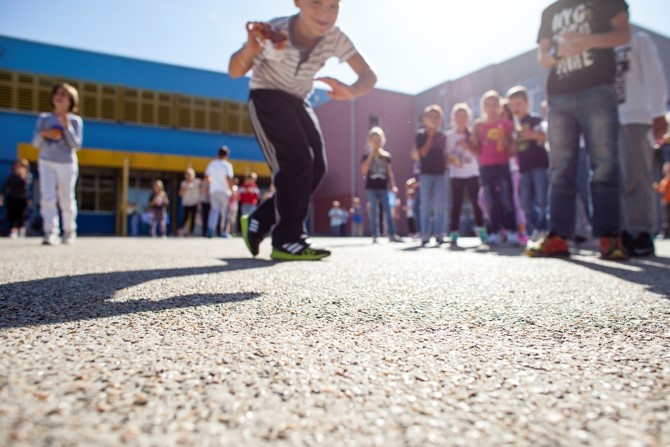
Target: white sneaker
x=51 y=239
x=493 y=239
x=69 y=238
x=14 y=233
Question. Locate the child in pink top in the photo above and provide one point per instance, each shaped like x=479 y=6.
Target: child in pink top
x=492 y=140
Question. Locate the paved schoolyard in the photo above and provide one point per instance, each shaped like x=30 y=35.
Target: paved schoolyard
x=191 y=342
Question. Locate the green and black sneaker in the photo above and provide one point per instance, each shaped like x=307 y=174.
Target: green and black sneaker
x=252 y=238
x=298 y=251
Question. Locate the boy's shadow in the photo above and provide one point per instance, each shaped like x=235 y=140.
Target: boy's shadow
x=651 y=272
x=85 y=297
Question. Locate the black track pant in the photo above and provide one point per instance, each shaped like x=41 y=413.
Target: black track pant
x=288 y=132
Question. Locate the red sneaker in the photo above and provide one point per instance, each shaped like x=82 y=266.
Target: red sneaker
x=611 y=249
x=552 y=246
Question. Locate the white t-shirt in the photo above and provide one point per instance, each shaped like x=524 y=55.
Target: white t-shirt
x=219 y=171
x=462 y=163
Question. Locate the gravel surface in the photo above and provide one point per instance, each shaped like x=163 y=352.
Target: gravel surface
x=191 y=342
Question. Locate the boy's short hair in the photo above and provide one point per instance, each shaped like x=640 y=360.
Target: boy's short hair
x=518 y=91
x=223 y=151
x=433 y=108
x=22 y=162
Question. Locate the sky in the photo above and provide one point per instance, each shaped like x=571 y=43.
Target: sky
x=412 y=46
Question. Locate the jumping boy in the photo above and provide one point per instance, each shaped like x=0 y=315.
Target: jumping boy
x=284 y=122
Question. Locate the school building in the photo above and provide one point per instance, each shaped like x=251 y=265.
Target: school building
x=145 y=120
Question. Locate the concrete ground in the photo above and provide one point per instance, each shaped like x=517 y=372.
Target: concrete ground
x=191 y=342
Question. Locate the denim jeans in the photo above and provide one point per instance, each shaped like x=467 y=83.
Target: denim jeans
x=374 y=196
x=636 y=157
x=593 y=113
x=433 y=194
x=497 y=187
x=534 y=186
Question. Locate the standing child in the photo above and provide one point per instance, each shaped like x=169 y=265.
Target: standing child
x=643 y=95
x=492 y=141
x=189 y=191
x=356 y=212
x=430 y=146
x=533 y=162
x=379 y=181
x=664 y=188
x=463 y=171
x=338 y=219
x=15 y=197
x=158 y=201
x=578 y=50
x=249 y=194
x=58 y=135
x=284 y=121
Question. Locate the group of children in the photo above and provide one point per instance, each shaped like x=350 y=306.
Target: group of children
x=214 y=210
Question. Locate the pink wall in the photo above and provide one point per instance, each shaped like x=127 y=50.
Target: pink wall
x=396 y=114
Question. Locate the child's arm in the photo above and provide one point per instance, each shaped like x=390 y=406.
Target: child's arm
x=576 y=43
x=365 y=83
x=475 y=143
x=243 y=60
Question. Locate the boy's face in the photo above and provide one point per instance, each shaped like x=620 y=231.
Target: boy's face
x=519 y=106
x=432 y=119
x=319 y=16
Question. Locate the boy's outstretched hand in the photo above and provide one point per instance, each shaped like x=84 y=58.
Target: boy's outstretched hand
x=340 y=92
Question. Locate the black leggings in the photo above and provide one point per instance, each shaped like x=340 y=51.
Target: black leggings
x=16 y=211
x=189 y=216
x=458 y=187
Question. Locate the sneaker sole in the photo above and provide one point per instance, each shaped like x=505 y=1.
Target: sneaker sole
x=279 y=255
x=539 y=254
x=244 y=226
x=616 y=255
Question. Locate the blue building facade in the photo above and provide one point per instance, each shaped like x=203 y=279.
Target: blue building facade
x=142 y=120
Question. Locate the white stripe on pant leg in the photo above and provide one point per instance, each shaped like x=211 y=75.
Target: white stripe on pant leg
x=266 y=145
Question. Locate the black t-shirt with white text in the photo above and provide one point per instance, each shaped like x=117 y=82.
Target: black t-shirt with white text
x=377 y=177
x=593 y=67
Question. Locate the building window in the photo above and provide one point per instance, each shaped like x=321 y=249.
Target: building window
x=30 y=93
x=96 y=192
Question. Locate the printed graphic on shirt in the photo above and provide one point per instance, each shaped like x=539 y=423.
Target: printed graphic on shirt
x=622 y=66
x=573 y=19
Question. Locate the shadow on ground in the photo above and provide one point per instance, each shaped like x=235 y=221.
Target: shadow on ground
x=85 y=297
x=651 y=272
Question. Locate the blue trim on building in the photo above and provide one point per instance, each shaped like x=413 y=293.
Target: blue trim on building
x=51 y=60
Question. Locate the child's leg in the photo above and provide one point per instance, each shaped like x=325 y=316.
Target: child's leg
x=492 y=196
x=457 y=186
x=290 y=138
x=540 y=187
x=596 y=111
x=472 y=188
x=564 y=133
x=372 y=205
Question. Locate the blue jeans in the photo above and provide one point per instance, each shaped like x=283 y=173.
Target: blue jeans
x=534 y=188
x=381 y=196
x=432 y=190
x=593 y=113
x=497 y=184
